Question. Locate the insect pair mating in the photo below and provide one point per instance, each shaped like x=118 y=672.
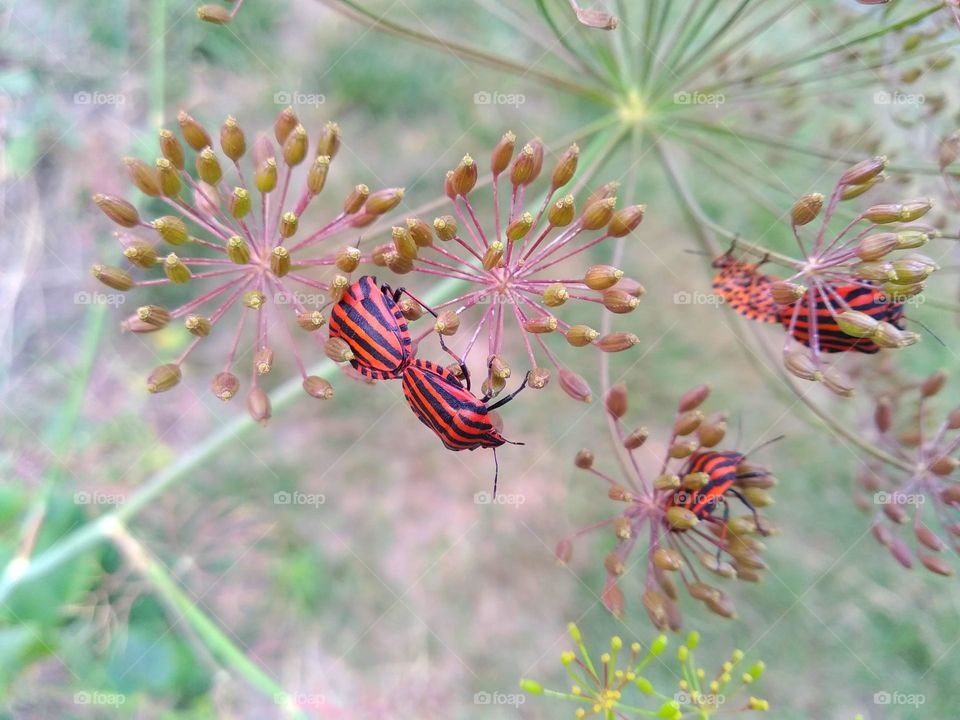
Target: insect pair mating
x=368 y=318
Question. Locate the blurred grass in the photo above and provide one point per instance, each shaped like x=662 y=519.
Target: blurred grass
x=398 y=589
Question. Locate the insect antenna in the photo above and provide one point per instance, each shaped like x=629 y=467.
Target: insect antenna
x=927 y=328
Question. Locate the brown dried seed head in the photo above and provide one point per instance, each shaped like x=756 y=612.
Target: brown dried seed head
x=464 y=176
x=356 y=199
x=420 y=232
x=258 y=405
x=163 y=378
x=687 y=422
x=722 y=605
x=383 y=201
x=311 y=321
x=667 y=559
x=693 y=398
x=404 y=243
x=502 y=153
x=176 y=270
x=584 y=459
x=171 y=149
x=607 y=190
x=711 y=434
x=317 y=175
x=682 y=449
x=118 y=210
x=786 y=293
x=656 y=606
x=555 y=295
x=499 y=367
x=575 y=386
x=524 y=165
x=448 y=322
x=225 y=385
x=598 y=213
x=348 y=258
x=193 y=132
x=668 y=481
x=143 y=176
x=625 y=221
x=539 y=377
x=703 y=592
x=518 y=229
x=154 y=315
x=933 y=384
x=140 y=253
x=602 y=277
x=617 y=341
x=338 y=287
x=197 y=325
x=619 y=301
x=493 y=255
x=877 y=246
x=612 y=597
x=338 y=350
x=540 y=325
x=636 y=438
x=399 y=265
x=317 y=387
x=566 y=167
x=329 y=141
x=445 y=227
x=801 y=365
x=562 y=212
x=112 y=277
x=806 y=209
x=837 y=383
x=232 y=140
x=581 y=335
x=617 y=401
x=864 y=171
x=944 y=465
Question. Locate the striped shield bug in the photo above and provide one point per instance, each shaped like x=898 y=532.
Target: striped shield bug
x=460 y=419
x=368 y=319
x=744 y=289
x=806 y=321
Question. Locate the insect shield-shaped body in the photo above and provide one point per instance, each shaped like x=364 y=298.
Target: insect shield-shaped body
x=369 y=320
x=459 y=418
x=832 y=339
x=745 y=289
x=713 y=477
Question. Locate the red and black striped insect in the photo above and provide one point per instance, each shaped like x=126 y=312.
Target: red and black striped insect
x=745 y=289
x=369 y=319
x=459 y=418
x=830 y=337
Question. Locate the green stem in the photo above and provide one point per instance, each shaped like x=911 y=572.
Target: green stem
x=214 y=639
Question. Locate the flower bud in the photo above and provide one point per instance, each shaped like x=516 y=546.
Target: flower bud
x=464 y=176
x=499 y=368
x=168 y=177
x=864 y=171
x=258 y=405
x=687 y=422
x=915 y=209
x=913 y=269
x=338 y=350
x=143 y=176
x=636 y=438
x=555 y=295
x=263 y=360
x=566 y=168
x=317 y=175
x=806 y=209
x=254 y=299
x=383 y=201
x=682 y=449
x=616 y=400
x=171 y=149
x=214 y=14
x=656 y=606
x=668 y=481
x=232 y=141
x=118 y=210
x=563 y=551
x=317 y=387
x=140 y=253
x=581 y=335
x=193 y=132
x=295 y=147
x=404 y=243
x=575 y=386
x=448 y=322
x=172 y=229
x=398 y=264
x=614 y=565
x=619 y=301
x=625 y=221
x=445 y=227
x=936 y=565
x=944 y=465
x=612 y=598
x=598 y=213
x=238 y=251
x=711 y=434
x=875 y=247
x=518 y=229
x=909 y=239
x=502 y=153
x=801 y=365
x=175 y=269
x=420 y=232
x=786 y=293
x=356 y=199
x=856 y=324
x=583 y=459
x=875 y=271
x=163 y=378
x=348 y=258
x=667 y=559
x=493 y=255
x=679 y=518
x=112 y=277
x=239 y=203
x=225 y=385
x=280 y=261
x=602 y=277
x=540 y=325
x=197 y=325
x=539 y=377
x=562 y=212
x=311 y=321
x=153 y=315
x=837 y=382
x=329 y=140
x=617 y=341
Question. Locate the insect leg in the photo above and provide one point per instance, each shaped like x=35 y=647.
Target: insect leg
x=511 y=396
x=756 y=518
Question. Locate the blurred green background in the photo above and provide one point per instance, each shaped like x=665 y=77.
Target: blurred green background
x=398 y=596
